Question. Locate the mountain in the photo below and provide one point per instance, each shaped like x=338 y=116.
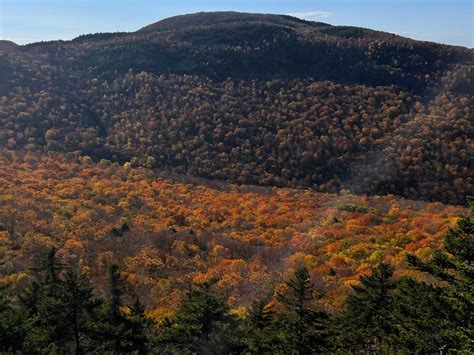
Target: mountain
x=251 y=46
x=254 y=99
x=7 y=44
x=206 y=19
x=226 y=160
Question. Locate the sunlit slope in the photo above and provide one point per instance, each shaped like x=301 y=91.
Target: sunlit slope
x=167 y=231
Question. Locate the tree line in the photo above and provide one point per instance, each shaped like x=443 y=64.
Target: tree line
x=59 y=312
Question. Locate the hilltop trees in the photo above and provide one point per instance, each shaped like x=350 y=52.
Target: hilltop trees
x=279 y=132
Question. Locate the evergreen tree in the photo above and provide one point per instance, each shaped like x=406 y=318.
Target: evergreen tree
x=122 y=333
x=143 y=328
x=366 y=322
x=203 y=324
x=43 y=301
x=454 y=268
x=257 y=330
x=115 y=332
x=301 y=330
x=80 y=309
x=421 y=317
x=61 y=310
x=11 y=323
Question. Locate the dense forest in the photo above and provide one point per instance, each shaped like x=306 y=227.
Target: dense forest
x=252 y=99
x=382 y=314
x=167 y=232
x=147 y=263
x=231 y=183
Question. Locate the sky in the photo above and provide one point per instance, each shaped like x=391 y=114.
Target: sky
x=443 y=21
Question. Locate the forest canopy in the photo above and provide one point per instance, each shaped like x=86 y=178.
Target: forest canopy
x=270 y=100
x=229 y=183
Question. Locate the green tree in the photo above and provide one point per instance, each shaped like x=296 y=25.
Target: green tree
x=61 y=310
x=80 y=309
x=421 y=317
x=257 y=330
x=203 y=324
x=143 y=328
x=366 y=322
x=301 y=330
x=11 y=323
x=121 y=332
x=454 y=268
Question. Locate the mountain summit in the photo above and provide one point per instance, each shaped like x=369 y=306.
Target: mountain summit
x=261 y=46
x=225 y=18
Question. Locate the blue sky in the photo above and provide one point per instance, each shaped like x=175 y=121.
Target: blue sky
x=445 y=21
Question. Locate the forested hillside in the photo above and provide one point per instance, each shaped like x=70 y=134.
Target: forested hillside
x=252 y=99
x=103 y=258
x=231 y=183
x=167 y=232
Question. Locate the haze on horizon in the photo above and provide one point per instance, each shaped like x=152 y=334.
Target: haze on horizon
x=442 y=21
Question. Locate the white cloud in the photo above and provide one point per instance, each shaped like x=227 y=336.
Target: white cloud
x=311 y=15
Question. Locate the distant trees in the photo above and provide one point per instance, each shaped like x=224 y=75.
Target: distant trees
x=377 y=124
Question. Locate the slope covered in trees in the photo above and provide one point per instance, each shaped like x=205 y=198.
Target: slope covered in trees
x=157 y=191
x=383 y=313
x=166 y=234
x=260 y=99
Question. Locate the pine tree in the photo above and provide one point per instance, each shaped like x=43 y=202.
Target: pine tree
x=257 y=331
x=302 y=330
x=61 y=310
x=203 y=324
x=366 y=322
x=122 y=333
x=11 y=323
x=421 y=316
x=80 y=309
x=114 y=328
x=454 y=267
x=143 y=328
x=43 y=302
